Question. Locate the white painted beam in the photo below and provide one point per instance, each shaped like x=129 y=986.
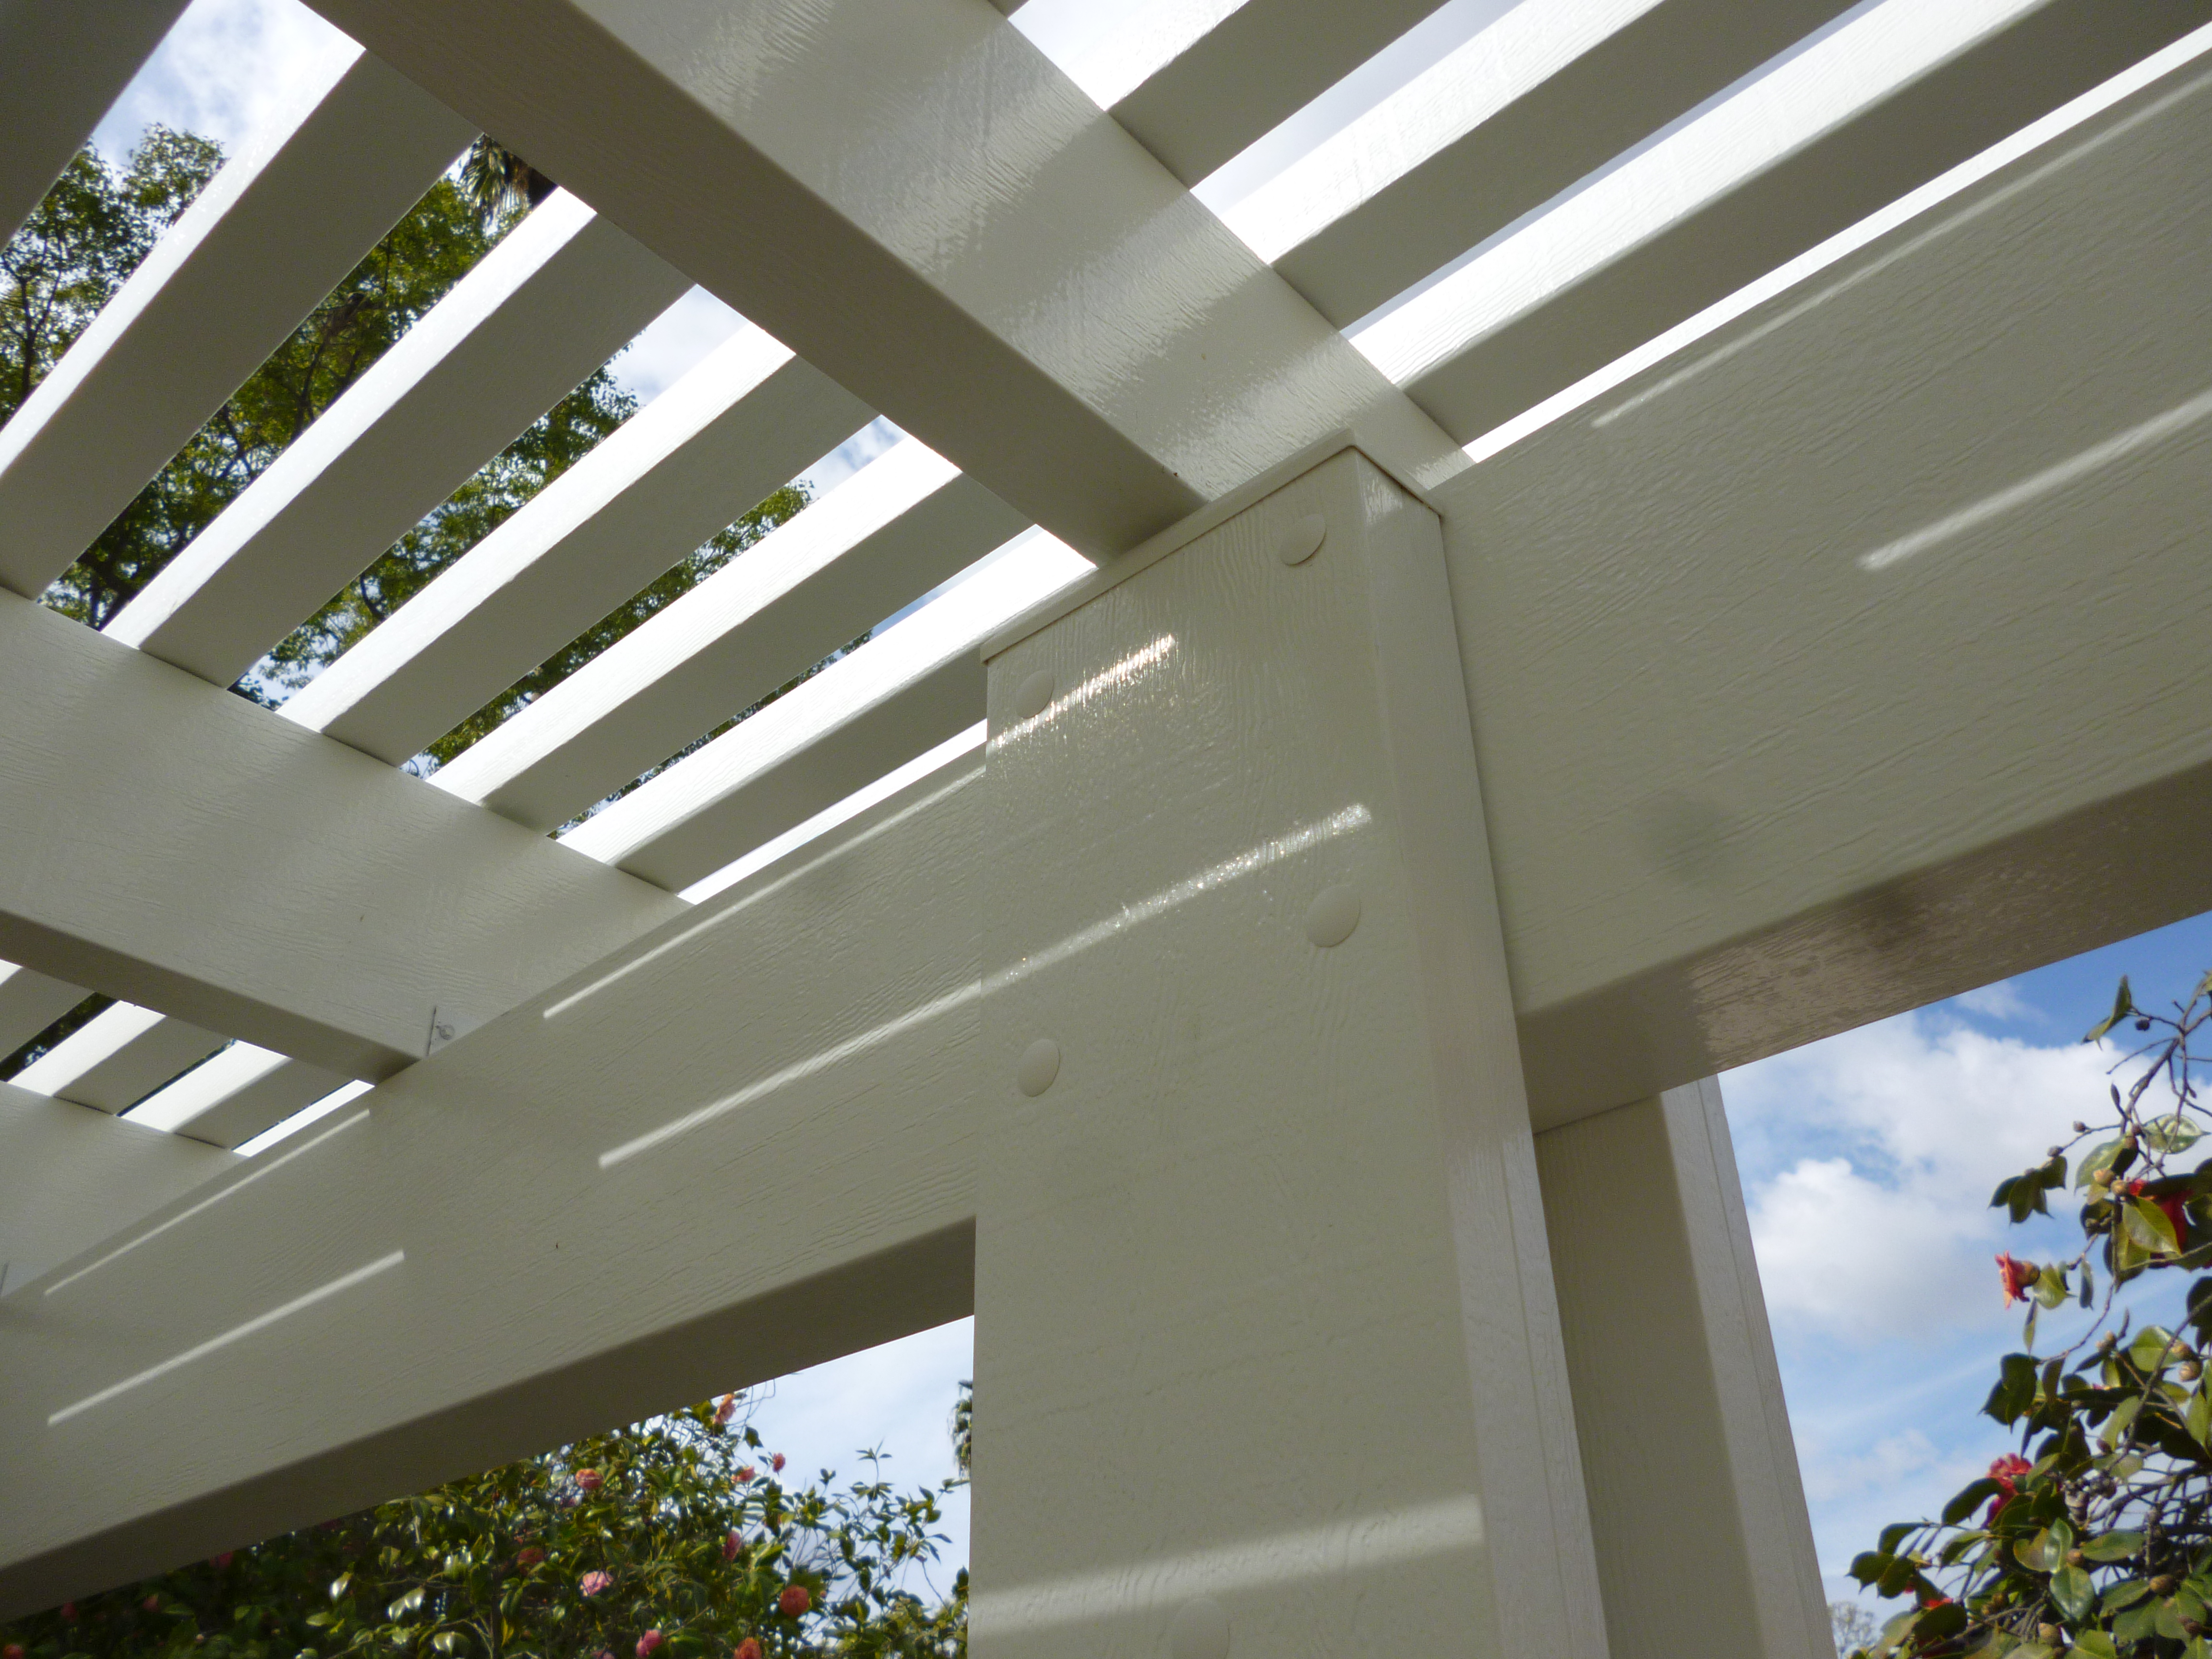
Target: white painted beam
x=29 y=1003
x=271 y=234
x=1251 y=69
x=235 y=1095
x=117 y=1058
x=1032 y=294
x=1821 y=142
x=560 y=294
x=1853 y=655
x=178 y=847
x=906 y=522
x=60 y=67
x=1548 y=94
x=1250 y=1114
x=1704 y=1545
x=773 y=1091
x=732 y=430
x=893 y=699
x=70 y=1177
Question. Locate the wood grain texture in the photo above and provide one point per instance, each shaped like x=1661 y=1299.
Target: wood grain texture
x=182 y=848
x=1261 y=1163
x=1744 y=790
x=553 y=1283
x=71 y=1176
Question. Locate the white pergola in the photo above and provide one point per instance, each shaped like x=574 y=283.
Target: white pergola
x=1754 y=580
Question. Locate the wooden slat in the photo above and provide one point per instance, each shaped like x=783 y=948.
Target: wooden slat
x=830 y=1206
x=30 y=1002
x=117 y=1058
x=891 y=700
x=1495 y=131
x=906 y=522
x=1037 y=300
x=558 y=295
x=175 y=846
x=60 y=67
x=1475 y=355
x=272 y=234
x=1253 y=69
x=235 y=1095
x=734 y=430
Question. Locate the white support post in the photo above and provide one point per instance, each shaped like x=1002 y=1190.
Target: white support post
x=1702 y=1541
x=1267 y=1357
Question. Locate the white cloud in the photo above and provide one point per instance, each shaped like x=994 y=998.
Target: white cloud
x=2001 y=1001
x=227 y=70
x=1880 y=1148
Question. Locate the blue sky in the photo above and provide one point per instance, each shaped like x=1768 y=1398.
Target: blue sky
x=1867 y=1159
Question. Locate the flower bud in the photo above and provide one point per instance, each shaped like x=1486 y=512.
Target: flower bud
x=2165 y=1585
x=794 y=1601
x=2049 y=1634
x=748 y=1649
x=2188 y=1370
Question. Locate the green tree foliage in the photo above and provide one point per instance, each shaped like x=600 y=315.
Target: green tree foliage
x=2095 y=1538
x=674 y=1538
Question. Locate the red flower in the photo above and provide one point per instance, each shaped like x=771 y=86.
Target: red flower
x=528 y=1559
x=775 y=1462
x=218 y=1562
x=2005 y=1472
x=725 y=1408
x=2016 y=1275
x=747 y=1648
x=746 y=1474
x=730 y=1546
x=590 y=1479
x=69 y=1613
x=648 y=1643
x=592 y=1582
x=794 y=1601
x=14 y=1650
x=152 y=1604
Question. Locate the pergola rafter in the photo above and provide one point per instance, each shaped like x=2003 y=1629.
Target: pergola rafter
x=1213 y=1021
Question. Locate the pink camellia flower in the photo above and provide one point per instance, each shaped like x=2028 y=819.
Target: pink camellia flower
x=649 y=1643
x=794 y=1601
x=152 y=1604
x=218 y=1562
x=725 y=1408
x=592 y=1582
x=747 y=1648
x=746 y=1474
x=68 y=1611
x=730 y=1547
x=2016 y=1276
x=590 y=1479
x=776 y=1461
x=528 y=1559
x=14 y=1650
x=2005 y=1472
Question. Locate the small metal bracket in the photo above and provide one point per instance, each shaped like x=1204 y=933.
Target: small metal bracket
x=444 y=1028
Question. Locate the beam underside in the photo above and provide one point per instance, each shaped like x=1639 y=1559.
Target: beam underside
x=833 y=1211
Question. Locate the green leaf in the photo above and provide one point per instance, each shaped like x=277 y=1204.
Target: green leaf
x=2171 y=1134
x=2041 y=1553
x=1893 y=1534
x=2114 y=1545
x=2071 y=1587
x=2050 y=1287
x=2095 y=1643
x=2015 y=1388
x=2099 y=1158
x=1869 y=1566
x=2138 y=1623
x=2147 y=1228
x=1968 y=1500
x=2151 y=1349
x=2123 y=1006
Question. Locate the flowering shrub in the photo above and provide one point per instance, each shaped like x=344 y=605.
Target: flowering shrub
x=2095 y=1538
x=652 y=1540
